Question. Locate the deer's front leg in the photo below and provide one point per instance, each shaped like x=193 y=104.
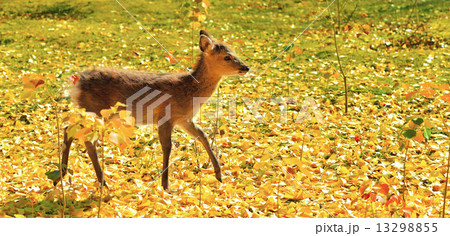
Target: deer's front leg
x=165 y=134
x=65 y=155
x=196 y=132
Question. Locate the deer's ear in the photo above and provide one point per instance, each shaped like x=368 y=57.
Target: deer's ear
x=203 y=32
x=206 y=43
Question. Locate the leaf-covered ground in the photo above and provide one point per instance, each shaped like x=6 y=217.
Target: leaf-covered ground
x=387 y=157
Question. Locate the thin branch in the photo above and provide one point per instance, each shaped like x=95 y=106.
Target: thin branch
x=278 y=196
x=404 y=170
x=338 y=17
x=192 y=35
x=351 y=14
x=200 y=170
x=415 y=10
x=217 y=123
x=339 y=60
x=303 y=145
x=58 y=126
x=103 y=170
x=58 y=129
x=446 y=183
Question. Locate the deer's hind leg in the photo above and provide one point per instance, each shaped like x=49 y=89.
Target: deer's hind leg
x=92 y=152
x=165 y=138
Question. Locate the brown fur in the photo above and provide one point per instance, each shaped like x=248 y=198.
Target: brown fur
x=100 y=89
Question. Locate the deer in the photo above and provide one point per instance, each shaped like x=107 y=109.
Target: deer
x=163 y=99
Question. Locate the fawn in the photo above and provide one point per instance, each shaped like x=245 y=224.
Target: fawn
x=174 y=93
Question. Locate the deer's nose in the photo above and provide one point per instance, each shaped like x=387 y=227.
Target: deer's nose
x=245 y=68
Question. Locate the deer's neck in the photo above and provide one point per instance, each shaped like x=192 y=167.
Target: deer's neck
x=206 y=80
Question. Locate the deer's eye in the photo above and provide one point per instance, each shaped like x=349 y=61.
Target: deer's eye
x=227 y=58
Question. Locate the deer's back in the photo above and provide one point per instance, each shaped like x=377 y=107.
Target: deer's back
x=100 y=89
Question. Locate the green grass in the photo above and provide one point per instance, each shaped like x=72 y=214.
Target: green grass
x=61 y=38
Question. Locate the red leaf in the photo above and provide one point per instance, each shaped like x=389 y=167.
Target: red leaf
x=347 y=28
x=373 y=196
x=291 y=171
x=381 y=188
x=33 y=81
x=363 y=188
x=357 y=138
x=170 y=58
x=36 y=82
x=365 y=196
x=393 y=199
x=74 y=79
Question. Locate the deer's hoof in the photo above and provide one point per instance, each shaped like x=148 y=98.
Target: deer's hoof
x=165 y=186
x=105 y=185
x=219 y=177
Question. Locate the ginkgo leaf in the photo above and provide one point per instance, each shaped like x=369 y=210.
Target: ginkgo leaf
x=419 y=137
x=114 y=138
x=410 y=95
x=383 y=180
x=33 y=81
x=287 y=48
x=293 y=161
x=427 y=133
x=428 y=93
x=124 y=114
x=445 y=97
x=259 y=165
x=428 y=85
x=409 y=133
x=417 y=121
x=306 y=172
x=53 y=175
x=106 y=113
x=444 y=86
x=26 y=93
x=344 y=170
